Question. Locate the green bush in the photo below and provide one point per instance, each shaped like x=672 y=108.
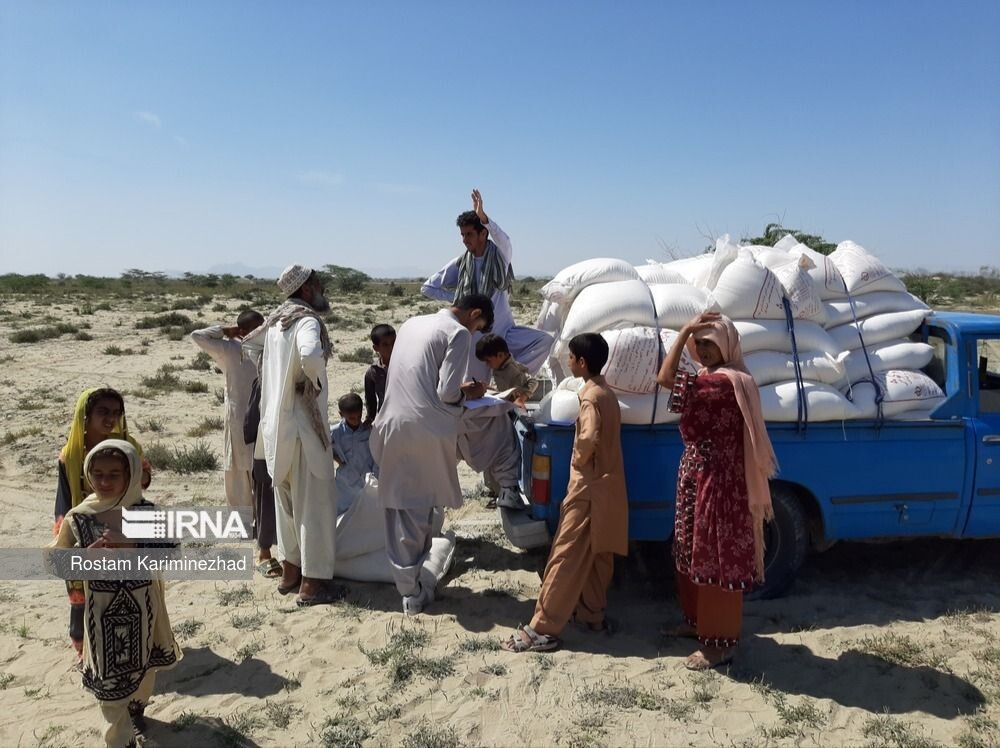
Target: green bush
x=197 y=458
x=171 y=319
x=361 y=355
x=201 y=362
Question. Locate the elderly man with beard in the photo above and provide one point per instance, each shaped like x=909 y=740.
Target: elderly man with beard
x=295 y=429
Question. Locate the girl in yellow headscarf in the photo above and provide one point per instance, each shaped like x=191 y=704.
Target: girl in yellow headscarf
x=99 y=415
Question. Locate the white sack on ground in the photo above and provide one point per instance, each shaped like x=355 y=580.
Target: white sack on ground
x=780 y=402
x=606 y=306
x=570 y=281
x=694 y=270
x=772 y=335
x=638 y=409
x=862 y=271
x=885 y=356
x=902 y=391
x=866 y=305
x=767 y=367
x=876 y=329
x=677 y=303
x=360 y=542
x=657 y=272
x=827 y=279
x=634 y=357
x=800 y=289
x=748 y=290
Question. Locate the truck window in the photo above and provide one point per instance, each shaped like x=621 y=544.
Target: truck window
x=988 y=362
x=937 y=369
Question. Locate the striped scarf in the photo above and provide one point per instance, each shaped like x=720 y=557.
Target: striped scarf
x=493 y=275
x=286 y=315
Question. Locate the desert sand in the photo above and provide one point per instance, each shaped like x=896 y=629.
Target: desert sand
x=876 y=644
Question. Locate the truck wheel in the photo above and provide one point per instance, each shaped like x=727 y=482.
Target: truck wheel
x=786 y=541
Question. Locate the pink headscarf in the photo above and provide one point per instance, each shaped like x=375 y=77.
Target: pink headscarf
x=759 y=461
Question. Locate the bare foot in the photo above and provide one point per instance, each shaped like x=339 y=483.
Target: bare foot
x=707 y=658
x=291 y=578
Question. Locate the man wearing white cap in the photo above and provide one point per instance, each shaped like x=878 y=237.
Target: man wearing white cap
x=295 y=429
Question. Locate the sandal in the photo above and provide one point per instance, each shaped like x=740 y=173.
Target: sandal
x=526 y=639
x=269 y=568
x=699 y=661
x=290 y=589
x=326 y=596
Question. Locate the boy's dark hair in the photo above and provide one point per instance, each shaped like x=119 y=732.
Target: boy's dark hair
x=116 y=454
x=248 y=318
x=477 y=301
x=350 y=403
x=469 y=218
x=592 y=348
x=103 y=393
x=491 y=345
x=381 y=332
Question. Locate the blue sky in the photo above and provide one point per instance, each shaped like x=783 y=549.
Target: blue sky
x=183 y=135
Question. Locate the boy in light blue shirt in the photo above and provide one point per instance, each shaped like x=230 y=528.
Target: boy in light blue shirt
x=349 y=440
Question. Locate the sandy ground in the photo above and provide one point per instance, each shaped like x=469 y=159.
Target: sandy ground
x=881 y=644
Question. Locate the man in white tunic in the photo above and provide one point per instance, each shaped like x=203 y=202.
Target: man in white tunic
x=415 y=436
x=486 y=268
x=223 y=345
x=295 y=429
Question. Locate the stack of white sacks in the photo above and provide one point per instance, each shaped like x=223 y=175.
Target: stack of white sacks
x=832 y=298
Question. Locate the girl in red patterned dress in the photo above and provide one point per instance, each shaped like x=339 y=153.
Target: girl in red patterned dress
x=723 y=496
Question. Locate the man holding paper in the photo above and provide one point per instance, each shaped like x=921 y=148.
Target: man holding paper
x=415 y=435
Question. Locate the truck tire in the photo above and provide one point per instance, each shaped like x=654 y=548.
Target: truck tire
x=786 y=543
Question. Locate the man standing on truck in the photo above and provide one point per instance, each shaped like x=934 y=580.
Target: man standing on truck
x=485 y=268
x=415 y=436
x=593 y=522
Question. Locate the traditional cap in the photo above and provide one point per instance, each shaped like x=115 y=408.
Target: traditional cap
x=292 y=278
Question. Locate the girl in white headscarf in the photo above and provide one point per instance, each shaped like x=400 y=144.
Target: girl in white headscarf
x=127 y=635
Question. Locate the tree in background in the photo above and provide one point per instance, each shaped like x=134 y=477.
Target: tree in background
x=346 y=280
x=774 y=231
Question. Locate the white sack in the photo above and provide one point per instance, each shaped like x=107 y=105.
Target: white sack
x=571 y=280
x=725 y=253
x=786 y=243
x=865 y=305
x=550 y=317
x=878 y=328
x=562 y=405
x=375 y=566
x=767 y=367
x=826 y=277
x=886 y=356
x=902 y=391
x=676 y=304
x=634 y=356
x=657 y=272
x=638 y=409
x=606 y=306
x=862 y=271
x=780 y=402
x=800 y=289
x=748 y=290
x=694 y=270
x=772 y=335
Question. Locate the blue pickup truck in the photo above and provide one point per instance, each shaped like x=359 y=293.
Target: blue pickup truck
x=849 y=480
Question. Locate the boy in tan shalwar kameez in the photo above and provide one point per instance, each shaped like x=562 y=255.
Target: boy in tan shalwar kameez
x=593 y=523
